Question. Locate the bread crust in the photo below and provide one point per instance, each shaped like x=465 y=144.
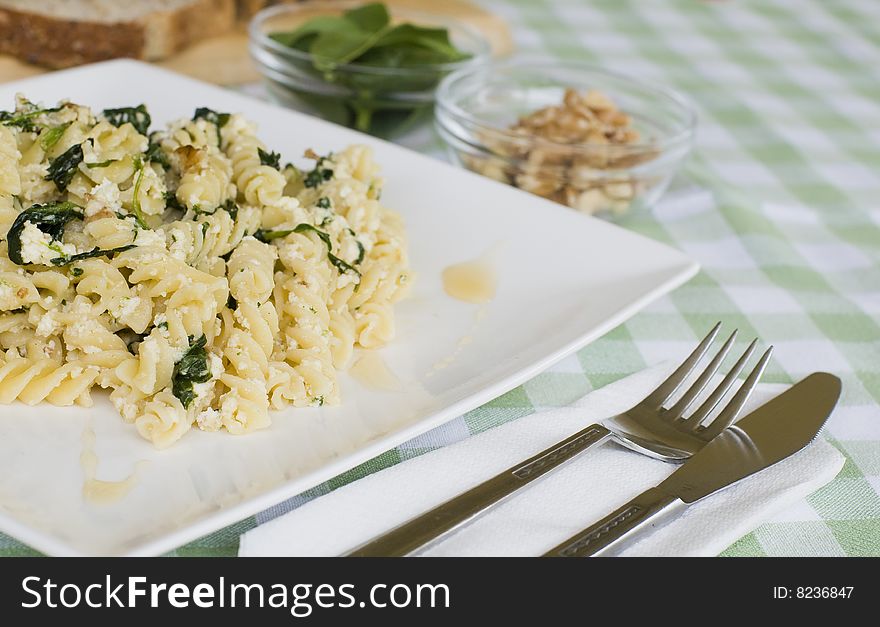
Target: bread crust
x=57 y=43
x=170 y=31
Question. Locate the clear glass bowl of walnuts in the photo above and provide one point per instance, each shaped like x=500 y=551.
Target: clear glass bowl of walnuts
x=597 y=141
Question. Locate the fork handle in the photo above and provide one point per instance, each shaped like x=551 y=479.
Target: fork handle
x=619 y=530
x=464 y=508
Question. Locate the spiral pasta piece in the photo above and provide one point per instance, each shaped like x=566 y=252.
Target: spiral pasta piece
x=251 y=269
x=257 y=184
x=152 y=368
x=33 y=382
x=163 y=420
x=205 y=181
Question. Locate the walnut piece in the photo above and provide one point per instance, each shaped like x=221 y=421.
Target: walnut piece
x=546 y=155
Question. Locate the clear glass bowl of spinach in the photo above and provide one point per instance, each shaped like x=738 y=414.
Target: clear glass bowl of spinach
x=365 y=66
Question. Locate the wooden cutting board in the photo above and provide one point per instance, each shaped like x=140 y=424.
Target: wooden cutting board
x=224 y=59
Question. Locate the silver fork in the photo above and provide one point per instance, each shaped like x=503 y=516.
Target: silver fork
x=648 y=428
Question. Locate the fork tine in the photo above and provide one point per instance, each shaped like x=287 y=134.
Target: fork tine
x=674 y=381
x=732 y=409
x=677 y=410
x=718 y=393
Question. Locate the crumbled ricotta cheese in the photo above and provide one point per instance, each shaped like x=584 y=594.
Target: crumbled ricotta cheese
x=103 y=197
x=209 y=420
x=216 y=366
x=179 y=352
x=48 y=325
x=229 y=406
x=89 y=154
x=203 y=390
x=126 y=306
x=38 y=247
x=147 y=237
x=241 y=319
x=152 y=256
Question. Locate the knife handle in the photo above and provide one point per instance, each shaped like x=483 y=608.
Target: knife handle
x=462 y=509
x=619 y=529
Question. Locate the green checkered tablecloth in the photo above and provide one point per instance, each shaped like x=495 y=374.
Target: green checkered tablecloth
x=780 y=204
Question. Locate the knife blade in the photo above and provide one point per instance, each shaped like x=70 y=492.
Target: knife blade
x=774 y=431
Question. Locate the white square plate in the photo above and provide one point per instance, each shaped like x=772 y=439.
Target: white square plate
x=564 y=280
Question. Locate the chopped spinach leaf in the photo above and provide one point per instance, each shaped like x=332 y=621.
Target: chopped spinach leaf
x=304 y=228
x=76 y=271
x=139 y=166
x=51 y=136
x=171 y=202
x=192 y=368
x=231 y=208
x=318 y=175
x=272 y=159
x=204 y=113
x=137 y=116
x=101 y=164
x=63 y=167
x=323 y=202
x=341 y=265
x=63 y=260
x=154 y=154
x=25 y=119
x=266 y=236
x=361 y=251
x=50 y=218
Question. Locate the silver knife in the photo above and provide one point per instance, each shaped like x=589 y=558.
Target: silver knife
x=774 y=431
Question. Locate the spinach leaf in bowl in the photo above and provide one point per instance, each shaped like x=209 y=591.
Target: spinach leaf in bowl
x=365 y=36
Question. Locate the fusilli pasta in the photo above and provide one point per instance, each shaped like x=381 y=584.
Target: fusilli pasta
x=185 y=270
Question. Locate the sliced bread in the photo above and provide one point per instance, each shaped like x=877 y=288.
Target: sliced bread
x=61 y=33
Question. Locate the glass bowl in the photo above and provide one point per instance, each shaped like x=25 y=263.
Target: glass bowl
x=379 y=100
x=476 y=107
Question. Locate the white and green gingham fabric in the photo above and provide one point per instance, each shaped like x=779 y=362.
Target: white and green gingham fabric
x=780 y=204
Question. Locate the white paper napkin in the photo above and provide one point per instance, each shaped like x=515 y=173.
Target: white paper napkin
x=553 y=508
